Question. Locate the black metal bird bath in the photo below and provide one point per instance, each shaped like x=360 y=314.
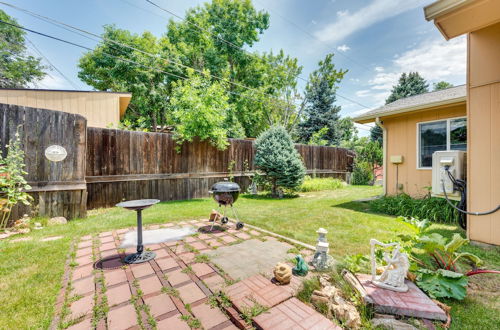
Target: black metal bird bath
x=139 y=205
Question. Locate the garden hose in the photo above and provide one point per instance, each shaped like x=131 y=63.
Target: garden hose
x=461 y=186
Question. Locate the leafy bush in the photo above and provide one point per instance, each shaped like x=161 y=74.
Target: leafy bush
x=278 y=159
x=320 y=184
x=432 y=208
x=13 y=186
x=362 y=174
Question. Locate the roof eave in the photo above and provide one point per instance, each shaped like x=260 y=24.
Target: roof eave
x=370 y=118
x=443 y=7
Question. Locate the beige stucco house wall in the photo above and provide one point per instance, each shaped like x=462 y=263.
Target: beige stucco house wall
x=101 y=109
x=480 y=20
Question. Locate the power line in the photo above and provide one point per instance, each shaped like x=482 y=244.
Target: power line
x=241 y=49
x=75 y=86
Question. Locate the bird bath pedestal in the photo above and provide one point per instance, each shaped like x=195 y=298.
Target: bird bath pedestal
x=138 y=205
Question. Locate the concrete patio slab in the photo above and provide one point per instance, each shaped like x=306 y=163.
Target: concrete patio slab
x=260 y=257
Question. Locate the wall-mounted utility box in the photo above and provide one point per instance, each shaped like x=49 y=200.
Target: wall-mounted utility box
x=397 y=159
x=455 y=160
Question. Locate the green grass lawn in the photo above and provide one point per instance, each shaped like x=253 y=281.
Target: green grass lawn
x=31 y=272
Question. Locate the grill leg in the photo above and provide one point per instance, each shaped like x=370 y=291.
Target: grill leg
x=234 y=212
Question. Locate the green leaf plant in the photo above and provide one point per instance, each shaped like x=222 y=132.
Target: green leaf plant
x=13 y=185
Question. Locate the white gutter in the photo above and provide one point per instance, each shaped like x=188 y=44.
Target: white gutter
x=442 y=7
x=380 y=124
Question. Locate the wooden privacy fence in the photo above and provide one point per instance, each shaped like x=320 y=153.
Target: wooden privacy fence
x=59 y=188
x=131 y=165
x=106 y=166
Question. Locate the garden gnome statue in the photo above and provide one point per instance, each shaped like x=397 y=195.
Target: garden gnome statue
x=282 y=273
x=300 y=268
x=321 y=260
x=393 y=276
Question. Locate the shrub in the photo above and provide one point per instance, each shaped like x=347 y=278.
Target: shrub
x=278 y=159
x=13 y=186
x=320 y=184
x=362 y=174
x=432 y=208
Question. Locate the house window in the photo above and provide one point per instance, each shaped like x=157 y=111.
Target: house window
x=449 y=134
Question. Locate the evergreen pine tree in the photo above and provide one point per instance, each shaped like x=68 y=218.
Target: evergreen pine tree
x=278 y=159
x=441 y=85
x=408 y=85
x=320 y=110
x=376 y=134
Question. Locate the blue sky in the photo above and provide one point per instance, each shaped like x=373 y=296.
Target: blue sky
x=376 y=40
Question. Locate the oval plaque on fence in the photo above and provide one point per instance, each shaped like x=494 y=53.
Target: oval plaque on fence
x=55 y=153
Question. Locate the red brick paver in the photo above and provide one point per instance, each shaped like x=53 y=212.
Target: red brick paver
x=413 y=303
x=141 y=270
x=116 y=276
x=118 y=294
x=82 y=306
x=150 y=284
x=166 y=263
x=208 y=316
x=177 y=277
x=172 y=323
x=84 y=286
x=190 y=293
x=122 y=318
x=201 y=269
x=293 y=314
x=256 y=289
x=160 y=304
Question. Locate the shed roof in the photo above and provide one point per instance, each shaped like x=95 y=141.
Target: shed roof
x=417 y=102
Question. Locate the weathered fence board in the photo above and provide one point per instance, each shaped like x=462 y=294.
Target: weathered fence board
x=124 y=165
x=59 y=188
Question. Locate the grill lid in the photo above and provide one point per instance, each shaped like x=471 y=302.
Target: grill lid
x=225 y=186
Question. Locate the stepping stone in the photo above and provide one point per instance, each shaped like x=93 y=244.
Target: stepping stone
x=413 y=303
x=113 y=277
x=118 y=294
x=122 y=318
x=82 y=306
x=293 y=314
x=209 y=316
x=160 y=304
x=256 y=290
x=190 y=293
x=173 y=322
x=201 y=269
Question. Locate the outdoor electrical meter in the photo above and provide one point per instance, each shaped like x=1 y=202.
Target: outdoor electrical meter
x=455 y=161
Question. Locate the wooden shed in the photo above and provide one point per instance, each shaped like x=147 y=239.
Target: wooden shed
x=101 y=109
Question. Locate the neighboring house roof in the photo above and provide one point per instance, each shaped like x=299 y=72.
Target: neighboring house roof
x=417 y=102
x=64 y=91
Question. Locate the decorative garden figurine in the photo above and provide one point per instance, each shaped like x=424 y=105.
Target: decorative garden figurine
x=321 y=260
x=300 y=268
x=394 y=274
x=283 y=273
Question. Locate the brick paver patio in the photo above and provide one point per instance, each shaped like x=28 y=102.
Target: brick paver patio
x=170 y=292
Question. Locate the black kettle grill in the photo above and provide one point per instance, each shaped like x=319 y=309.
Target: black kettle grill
x=225 y=193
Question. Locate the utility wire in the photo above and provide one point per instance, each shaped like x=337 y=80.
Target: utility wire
x=55 y=22
x=75 y=86
x=246 y=51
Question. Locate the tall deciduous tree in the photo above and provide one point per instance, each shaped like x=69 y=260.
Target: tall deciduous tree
x=320 y=110
x=17 y=68
x=408 y=85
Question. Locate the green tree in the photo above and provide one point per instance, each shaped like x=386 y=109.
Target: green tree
x=17 y=68
x=369 y=154
x=346 y=129
x=441 y=85
x=319 y=102
x=408 y=85
x=278 y=159
x=200 y=109
x=376 y=134
x=108 y=67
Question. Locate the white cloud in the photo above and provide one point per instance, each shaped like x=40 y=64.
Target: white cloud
x=342 y=13
x=343 y=48
x=435 y=60
x=313 y=22
x=377 y=11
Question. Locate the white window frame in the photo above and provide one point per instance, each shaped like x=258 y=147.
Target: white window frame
x=448 y=142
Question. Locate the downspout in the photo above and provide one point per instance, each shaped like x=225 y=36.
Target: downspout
x=380 y=124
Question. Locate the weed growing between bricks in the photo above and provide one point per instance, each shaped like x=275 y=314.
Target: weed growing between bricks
x=192 y=322
x=170 y=291
x=200 y=258
x=135 y=301
x=248 y=313
x=66 y=302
